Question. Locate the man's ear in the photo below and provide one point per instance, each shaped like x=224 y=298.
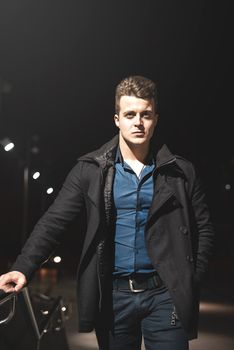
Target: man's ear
x=116 y=120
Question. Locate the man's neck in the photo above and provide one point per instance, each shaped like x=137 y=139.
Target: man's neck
x=134 y=153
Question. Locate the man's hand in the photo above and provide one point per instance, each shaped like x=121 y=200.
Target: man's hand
x=12 y=281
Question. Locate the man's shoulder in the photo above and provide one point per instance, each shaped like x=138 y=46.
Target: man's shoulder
x=164 y=156
x=175 y=163
x=101 y=154
x=184 y=163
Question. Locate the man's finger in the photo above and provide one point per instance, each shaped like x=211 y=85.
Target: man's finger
x=19 y=286
x=12 y=281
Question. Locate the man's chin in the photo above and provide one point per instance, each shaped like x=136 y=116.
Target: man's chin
x=139 y=141
x=135 y=141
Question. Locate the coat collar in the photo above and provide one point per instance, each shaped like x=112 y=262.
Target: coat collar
x=105 y=155
x=164 y=157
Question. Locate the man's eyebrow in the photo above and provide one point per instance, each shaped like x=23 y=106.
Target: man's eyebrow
x=147 y=111
x=129 y=112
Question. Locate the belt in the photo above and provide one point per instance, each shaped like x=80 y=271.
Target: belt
x=137 y=283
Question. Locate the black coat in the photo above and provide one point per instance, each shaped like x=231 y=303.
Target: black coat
x=178 y=232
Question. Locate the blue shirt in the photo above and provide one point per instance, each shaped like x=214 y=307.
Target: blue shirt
x=132 y=200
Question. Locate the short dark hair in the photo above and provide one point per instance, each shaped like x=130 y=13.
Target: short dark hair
x=137 y=86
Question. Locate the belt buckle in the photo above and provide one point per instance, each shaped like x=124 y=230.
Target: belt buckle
x=132 y=287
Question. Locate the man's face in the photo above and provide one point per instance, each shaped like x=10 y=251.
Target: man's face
x=136 y=120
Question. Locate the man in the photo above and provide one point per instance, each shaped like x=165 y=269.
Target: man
x=148 y=238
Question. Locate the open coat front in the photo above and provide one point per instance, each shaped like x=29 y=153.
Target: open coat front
x=178 y=233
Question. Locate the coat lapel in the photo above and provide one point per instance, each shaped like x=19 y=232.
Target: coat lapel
x=162 y=194
x=94 y=192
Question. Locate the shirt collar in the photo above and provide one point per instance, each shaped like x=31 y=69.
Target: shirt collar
x=150 y=160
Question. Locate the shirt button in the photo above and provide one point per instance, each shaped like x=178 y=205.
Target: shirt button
x=184 y=230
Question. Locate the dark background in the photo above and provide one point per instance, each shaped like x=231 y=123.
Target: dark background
x=59 y=64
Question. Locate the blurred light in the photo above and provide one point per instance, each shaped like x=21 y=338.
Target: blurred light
x=50 y=190
x=7 y=144
x=34 y=144
x=57 y=259
x=35 y=150
x=64 y=308
x=36 y=175
x=216 y=308
x=45 y=312
x=5 y=86
x=227 y=187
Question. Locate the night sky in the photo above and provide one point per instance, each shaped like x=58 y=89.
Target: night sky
x=59 y=64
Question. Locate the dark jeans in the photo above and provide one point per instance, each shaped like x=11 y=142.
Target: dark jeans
x=150 y=314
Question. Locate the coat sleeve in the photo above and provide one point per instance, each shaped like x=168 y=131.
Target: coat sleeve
x=49 y=230
x=204 y=228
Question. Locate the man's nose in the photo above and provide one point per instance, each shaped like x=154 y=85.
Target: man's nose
x=138 y=119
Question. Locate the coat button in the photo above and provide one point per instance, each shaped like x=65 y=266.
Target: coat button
x=184 y=230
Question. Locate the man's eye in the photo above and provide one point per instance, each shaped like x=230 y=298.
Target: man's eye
x=129 y=115
x=147 y=116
